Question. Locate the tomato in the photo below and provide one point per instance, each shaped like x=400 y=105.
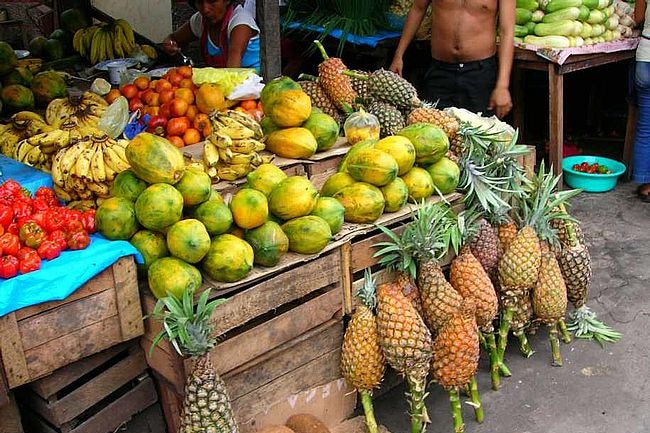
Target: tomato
x=129 y=91
x=191 y=136
x=178 y=107
x=150 y=97
x=177 y=125
x=46 y=194
x=135 y=104
x=88 y=221
x=187 y=83
x=202 y=122
x=31 y=234
x=174 y=78
x=8 y=267
x=163 y=84
x=58 y=237
x=9 y=244
x=6 y=215
x=78 y=240
x=150 y=110
x=12 y=187
x=22 y=208
x=49 y=250
x=192 y=111
x=156 y=125
x=28 y=260
x=164 y=110
x=54 y=220
x=176 y=140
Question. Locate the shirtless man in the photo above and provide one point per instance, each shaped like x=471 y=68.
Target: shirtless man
x=466 y=70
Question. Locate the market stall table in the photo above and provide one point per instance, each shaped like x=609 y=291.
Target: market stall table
x=559 y=63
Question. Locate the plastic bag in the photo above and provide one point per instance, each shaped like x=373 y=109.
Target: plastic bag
x=226 y=78
x=115 y=117
x=249 y=89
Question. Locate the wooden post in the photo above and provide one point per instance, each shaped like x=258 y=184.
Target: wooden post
x=556 y=119
x=268 y=17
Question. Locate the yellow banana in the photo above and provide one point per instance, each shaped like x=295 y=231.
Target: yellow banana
x=121 y=152
x=70 y=156
x=248 y=145
x=57 y=175
x=36 y=127
x=47 y=140
x=232 y=128
x=81 y=167
x=108 y=41
x=22 y=148
x=122 y=142
x=110 y=173
x=119 y=41
x=99 y=188
x=212 y=172
x=234 y=171
x=242 y=158
x=210 y=154
x=91 y=98
x=76 y=40
x=61 y=193
x=245 y=120
x=97 y=164
x=113 y=160
x=34 y=156
x=225 y=155
x=220 y=140
x=27 y=115
x=267 y=159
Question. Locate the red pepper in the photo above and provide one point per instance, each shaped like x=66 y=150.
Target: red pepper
x=13 y=228
x=47 y=195
x=49 y=250
x=6 y=215
x=88 y=221
x=11 y=187
x=60 y=238
x=55 y=219
x=156 y=125
x=78 y=240
x=8 y=266
x=22 y=208
x=28 y=260
x=73 y=220
x=31 y=234
x=9 y=243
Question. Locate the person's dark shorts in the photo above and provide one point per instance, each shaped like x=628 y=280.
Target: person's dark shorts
x=463 y=85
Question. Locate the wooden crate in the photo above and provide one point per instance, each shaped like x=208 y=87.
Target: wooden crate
x=94 y=395
x=40 y=339
x=280 y=334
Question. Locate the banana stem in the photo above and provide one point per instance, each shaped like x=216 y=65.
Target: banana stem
x=491 y=344
x=456 y=411
x=476 y=400
x=524 y=347
x=416 y=396
x=504 y=329
x=555 y=345
x=321 y=48
x=564 y=332
x=366 y=402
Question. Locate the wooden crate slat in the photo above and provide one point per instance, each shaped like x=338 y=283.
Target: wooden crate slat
x=96 y=389
x=127 y=295
x=171 y=402
x=319 y=371
x=165 y=364
x=55 y=382
x=13 y=354
x=40 y=329
x=285 y=358
x=10 y=421
x=244 y=347
x=102 y=281
x=362 y=250
x=36 y=424
x=112 y=416
x=46 y=358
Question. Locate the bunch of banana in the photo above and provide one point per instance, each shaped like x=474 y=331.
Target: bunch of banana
x=105 y=41
x=232 y=149
x=34 y=64
x=88 y=110
x=68 y=133
x=31 y=155
x=21 y=126
x=86 y=169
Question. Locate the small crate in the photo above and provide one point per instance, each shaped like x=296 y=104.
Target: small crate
x=94 y=395
x=40 y=339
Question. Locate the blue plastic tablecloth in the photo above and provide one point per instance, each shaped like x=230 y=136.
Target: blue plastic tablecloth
x=27 y=176
x=58 y=278
x=372 y=41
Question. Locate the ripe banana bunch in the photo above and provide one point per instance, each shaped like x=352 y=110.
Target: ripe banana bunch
x=29 y=154
x=105 y=41
x=33 y=64
x=88 y=110
x=86 y=169
x=21 y=126
x=232 y=149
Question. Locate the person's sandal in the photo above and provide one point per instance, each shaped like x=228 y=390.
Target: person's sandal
x=643 y=191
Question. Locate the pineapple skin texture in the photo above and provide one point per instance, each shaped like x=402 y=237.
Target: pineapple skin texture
x=337 y=86
x=520 y=263
x=485 y=247
x=405 y=340
x=575 y=265
x=362 y=361
x=549 y=294
x=440 y=301
x=319 y=98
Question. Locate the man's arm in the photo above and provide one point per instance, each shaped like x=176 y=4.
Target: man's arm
x=639 y=13
x=500 y=100
x=411 y=25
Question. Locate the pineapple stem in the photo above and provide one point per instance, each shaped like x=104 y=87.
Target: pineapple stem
x=476 y=400
x=555 y=345
x=569 y=228
x=564 y=332
x=503 y=369
x=491 y=345
x=504 y=330
x=483 y=341
x=356 y=75
x=456 y=412
x=321 y=48
x=524 y=347
x=307 y=77
x=416 y=395
x=369 y=411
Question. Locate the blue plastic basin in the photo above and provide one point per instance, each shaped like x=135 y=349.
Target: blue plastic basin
x=591 y=182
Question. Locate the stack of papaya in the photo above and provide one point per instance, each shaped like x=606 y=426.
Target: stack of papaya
x=185 y=229
x=294 y=128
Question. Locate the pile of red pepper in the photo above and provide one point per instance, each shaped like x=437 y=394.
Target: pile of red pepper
x=37 y=228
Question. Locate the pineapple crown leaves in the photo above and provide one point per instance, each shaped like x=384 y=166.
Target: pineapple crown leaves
x=186 y=326
x=367 y=293
x=466 y=228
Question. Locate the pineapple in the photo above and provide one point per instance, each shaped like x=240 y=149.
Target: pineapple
x=391 y=88
x=485 y=246
x=455 y=357
x=390 y=119
x=206 y=406
x=362 y=361
x=360 y=85
x=337 y=85
x=319 y=98
x=427 y=113
x=406 y=343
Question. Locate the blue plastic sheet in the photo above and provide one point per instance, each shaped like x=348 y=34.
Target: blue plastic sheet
x=27 y=176
x=372 y=41
x=58 y=278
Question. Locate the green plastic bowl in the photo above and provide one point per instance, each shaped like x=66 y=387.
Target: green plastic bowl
x=591 y=182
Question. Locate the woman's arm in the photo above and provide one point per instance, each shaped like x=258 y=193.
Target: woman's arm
x=239 y=38
x=180 y=38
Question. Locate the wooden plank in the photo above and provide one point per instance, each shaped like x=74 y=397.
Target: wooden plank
x=13 y=354
x=53 y=383
x=4 y=386
x=166 y=365
x=170 y=402
x=120 y=410
x=346 y=276
x=127 y=295
x=321 y=370
x=363 y=250
x=244 y=347
x=99 y=283
x=10 y=421
x=274 y=292
x=46 y=358
x=95 y=390
x=285 y=358
x=268 y=17
x=556 y=120
x=44 y=327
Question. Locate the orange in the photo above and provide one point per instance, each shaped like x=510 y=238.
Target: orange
x=163 y=84
x=185 y=71
x=191 y=112
x=178 y=107
x=185 y=94
x=249 y=104
x=112 y=95
x=152 y=84
x=209 y=97
x=141 y=82
x=176 y=140
x=191 y=136
x=187 y=83
x=129 y=91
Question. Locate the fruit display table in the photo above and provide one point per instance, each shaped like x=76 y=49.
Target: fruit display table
x=557 y=65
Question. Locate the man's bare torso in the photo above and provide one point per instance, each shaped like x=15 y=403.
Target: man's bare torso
x=463 y=30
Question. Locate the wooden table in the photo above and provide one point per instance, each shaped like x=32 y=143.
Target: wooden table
x=526 y=59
